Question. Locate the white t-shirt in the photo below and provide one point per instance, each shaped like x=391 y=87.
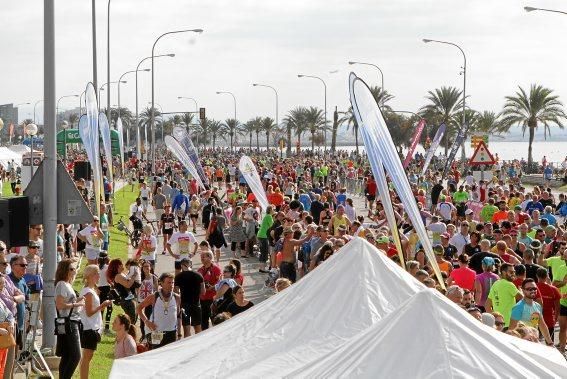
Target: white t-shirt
x=137 y=210
x=445 y=210
x=93 y=322
x=145 y=193
x=184 y=242
x=102 y=281
x=151 y=242
x=459 y=241
x=94 y=242
x=437 y=229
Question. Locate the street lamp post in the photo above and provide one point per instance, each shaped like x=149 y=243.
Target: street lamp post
x=378 y=68
x=58 y=100
x=234 y=98
x=34 y=106
x=31 y=131
x=138 y=139
x=108 y=60
x=464 y=72
x=325 y=86
x=153 y=80
x=531 y=9
x=103 y=84
x=276 y=93
x=119 y=81
x=190 y=98
x=162 y=121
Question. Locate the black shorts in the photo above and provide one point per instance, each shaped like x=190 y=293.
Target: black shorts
x=169 y=232
x=195 y=216
x=191 y=314
x=370 y=197
x=90 y=339
x=563 y=311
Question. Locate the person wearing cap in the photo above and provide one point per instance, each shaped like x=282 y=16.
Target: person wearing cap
x=469 y=214
x=504 y=294
x=443 y=264
x=483 y=282
x=92 y=235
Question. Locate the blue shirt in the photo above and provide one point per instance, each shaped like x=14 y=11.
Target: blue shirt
x=178 y=202
x=341 y=198
x=532 y=205
x=528 y=314
x=550 y=218
x=305 y=200
x=21 y=308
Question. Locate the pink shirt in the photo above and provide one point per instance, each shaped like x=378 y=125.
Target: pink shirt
x=125 y=348
x=464 y=277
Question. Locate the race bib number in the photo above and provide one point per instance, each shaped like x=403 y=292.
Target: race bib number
x=104 y=227
x=183 y=246
x=168 y=225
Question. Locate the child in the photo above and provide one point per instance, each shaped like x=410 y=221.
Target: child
x=134 y=272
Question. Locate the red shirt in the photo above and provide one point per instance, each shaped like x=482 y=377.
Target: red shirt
x=464 y=277
x=550 y=296
x=371 y=187
x=211 y=276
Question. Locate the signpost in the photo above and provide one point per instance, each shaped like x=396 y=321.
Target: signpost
x=481 y=157
x=475 y=140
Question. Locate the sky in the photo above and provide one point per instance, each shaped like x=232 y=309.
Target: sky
x=270 y=42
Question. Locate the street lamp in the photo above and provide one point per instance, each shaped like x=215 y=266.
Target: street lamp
x=103 y=84
x=35 y=105
x=108 y=60
x=531 y=9
x=277 y=120
x=464 y=72
x=31 y=131
x=58 y=100
x=65 y=125
x=190 y=98
x=325 y=86
x=375 y=66
x=153 y=80
x=234 y=98
x=138 y=139
x=120 y=81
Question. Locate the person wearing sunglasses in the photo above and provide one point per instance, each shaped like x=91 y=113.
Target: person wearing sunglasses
x=19 y=265
x=11 y=296
x=529 y=312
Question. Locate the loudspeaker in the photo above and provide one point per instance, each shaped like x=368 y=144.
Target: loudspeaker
x=14 y=221
x=82 y=170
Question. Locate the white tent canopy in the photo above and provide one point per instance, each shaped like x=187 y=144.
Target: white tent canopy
x=7 y=155
x=427 y=337
x=301 y=324
x=19 y=149
x=333 y=306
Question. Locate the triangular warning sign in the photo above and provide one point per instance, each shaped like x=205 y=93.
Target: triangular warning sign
x=481 y=155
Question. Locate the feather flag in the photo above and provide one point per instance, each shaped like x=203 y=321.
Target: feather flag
x=248 y=170
x=88 y=131
x=175 y=147
x=414 y=142
x=120 y=131
x=433 y=148
x=181 y=135
x=105 y=133
x=382 y=147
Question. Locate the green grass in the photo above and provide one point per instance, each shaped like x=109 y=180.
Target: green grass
x=104 y=356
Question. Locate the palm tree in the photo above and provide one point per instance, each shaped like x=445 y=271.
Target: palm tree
x=401 y=129
x=231 y=125
x=315 y=121
x=488 y=122
x=268 y=126
x=381 y=96
x=204 y=131
x=217 y=128
x=295 y=121
x=249 y=128
x=531 y=110
x=444 y=103
x=73 y=118
x=145 y=119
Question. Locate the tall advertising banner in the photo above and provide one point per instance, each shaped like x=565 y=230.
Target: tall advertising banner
x=382 y=150
x=455 y=147
x=90 y=137
x=120 y=131
x=105 y=133
x=434 y=145
x=248 y=170
x=414 y=142
x=176 y=149
x=181 y=135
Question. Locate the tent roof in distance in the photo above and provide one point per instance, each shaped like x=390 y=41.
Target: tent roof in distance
x=426 y=337
x=348 y=293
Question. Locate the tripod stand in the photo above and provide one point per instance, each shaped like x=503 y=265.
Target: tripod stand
x=30 y=358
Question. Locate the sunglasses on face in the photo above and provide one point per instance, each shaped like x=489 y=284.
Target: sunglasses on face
x=499 y=323
x=530 y=289
x=22 y=264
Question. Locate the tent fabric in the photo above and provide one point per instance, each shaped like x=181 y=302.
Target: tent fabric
x=7 y=155
x=426 y=337
x=336 y=306
x=19 y=149
x=297 y=326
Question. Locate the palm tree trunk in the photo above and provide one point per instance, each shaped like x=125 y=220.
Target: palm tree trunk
x=257 y=141
x=288 y=151
x=268 y=140
x=312 y=140
x=214 y=141
x=250 y=141
x=531 y=127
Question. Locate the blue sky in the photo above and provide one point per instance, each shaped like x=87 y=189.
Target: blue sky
x=272 y=41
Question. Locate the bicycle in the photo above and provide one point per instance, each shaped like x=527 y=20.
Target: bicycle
x=134 y=236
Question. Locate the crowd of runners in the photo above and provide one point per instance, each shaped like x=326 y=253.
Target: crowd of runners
x=501 y=248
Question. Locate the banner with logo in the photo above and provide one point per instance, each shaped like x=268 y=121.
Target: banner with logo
x=120 y=131
x=176 y=149
x=454 y=148
x=434 y=145
x=89 y=133
x=248 y=170
x=181 y=135
x=414 y=142
x=105 y=133
x=382 y=150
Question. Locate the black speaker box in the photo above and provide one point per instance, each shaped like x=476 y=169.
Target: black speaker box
x=82 y=170
x=14 y=221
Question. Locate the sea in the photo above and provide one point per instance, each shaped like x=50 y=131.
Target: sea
x=554 y=151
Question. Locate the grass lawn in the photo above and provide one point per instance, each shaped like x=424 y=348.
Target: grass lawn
x=104 y=355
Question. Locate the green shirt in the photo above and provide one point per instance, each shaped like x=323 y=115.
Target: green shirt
x=503 y=295
x=487 y=212
x=559 y=276
x=460 y=197
x=267 y=222
x=555 y=263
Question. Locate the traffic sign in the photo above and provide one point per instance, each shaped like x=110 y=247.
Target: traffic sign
x=476 y=139
x=482 y=156
x=71 y=208
x=202 y=113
